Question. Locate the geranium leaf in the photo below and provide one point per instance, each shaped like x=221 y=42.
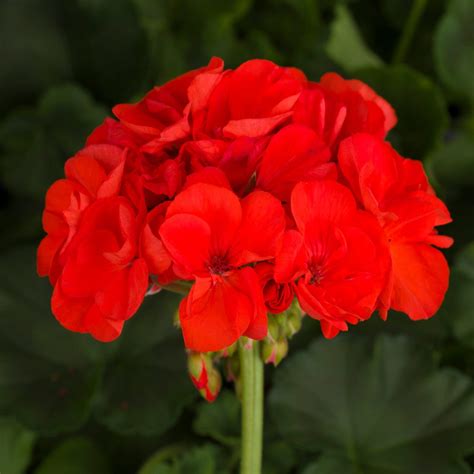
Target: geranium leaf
x=48 y=376
x=75 y=456
x=380 y=408
x=33 y=48
x=146 y=385
x=459 y=304
x=454 y=47
x=345 y=46
x=453 y=163
x=16 y=445
x=419 y=104
x=35 y=142
x=220 y=420
x=205 y=459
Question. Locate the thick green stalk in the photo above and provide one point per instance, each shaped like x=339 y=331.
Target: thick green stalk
x=251 y=372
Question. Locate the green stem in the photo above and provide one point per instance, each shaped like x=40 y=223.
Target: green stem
x=409 y=29
x=251 y=371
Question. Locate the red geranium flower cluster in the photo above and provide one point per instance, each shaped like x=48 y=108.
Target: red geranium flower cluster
x=256 y=185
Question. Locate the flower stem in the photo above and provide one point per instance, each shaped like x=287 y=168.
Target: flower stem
x=251 y=370
x=406 y=37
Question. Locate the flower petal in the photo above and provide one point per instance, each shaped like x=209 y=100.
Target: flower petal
x=421 y=276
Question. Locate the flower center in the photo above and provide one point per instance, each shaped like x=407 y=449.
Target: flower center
x=317 y=273
x=219 y=264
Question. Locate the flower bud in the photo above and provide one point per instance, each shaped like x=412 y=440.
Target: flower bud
x=229 y=351
x=273 y=352
x=205 y=377
x=294 y=319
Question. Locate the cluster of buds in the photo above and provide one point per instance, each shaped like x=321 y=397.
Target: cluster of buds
x=204 y=368
x=281 y=327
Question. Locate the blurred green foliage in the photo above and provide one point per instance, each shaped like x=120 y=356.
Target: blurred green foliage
x=394 y=397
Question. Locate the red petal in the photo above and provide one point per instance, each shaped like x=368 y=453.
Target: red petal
x=370 y=167
x=188 y=239
x=291 y=259
x=421 y=276
x=209 y=175
x=321 y=200
x=294 y=154
x=217 y=311
x=219 y=207
x=124 y=291
x=261 y=231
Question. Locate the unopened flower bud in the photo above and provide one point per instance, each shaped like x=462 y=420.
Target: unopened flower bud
x=274 y=327
x=229 y=351
x=205 y=377
x=273 y=352
x=294 y=319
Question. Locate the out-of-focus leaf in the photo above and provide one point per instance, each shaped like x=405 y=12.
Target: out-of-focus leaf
x=220 y=420
x=109 y=48
x=345 y=46
x=380 y=408
x=48 y=376
x=70 y=113
x=458 y=307
x=32 y=49
x=419 y=104
x=75 y=456
x=146 y=385
x=454 y=47
x=206 y=459
x=34 y=143
x=453 y=164
x=278 y=458
x=16 y=445
x=20 y=222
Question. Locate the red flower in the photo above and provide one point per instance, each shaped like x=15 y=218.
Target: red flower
x=152 y=249
x=94 y=172
x=397 y=192
x=248 y=102
x=294 y=154
x=238 y=158
x=161 y=117
x=277 y=296
x=211 y=236
x=336 y=108
x=102 y=283
x=337 y=256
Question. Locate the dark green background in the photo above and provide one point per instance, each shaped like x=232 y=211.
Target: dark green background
x=388 y=398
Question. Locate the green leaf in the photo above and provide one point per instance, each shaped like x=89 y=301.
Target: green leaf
x=454 y=47
x=75 y=456
x=146 y=386
x=32 y=49
x=34 y=143
x=16 y=446
x=220 y=420
x=453 y=163
x=109 y=48
x=48 y=376
x=278 y=458
x=382 y=408
x=206 y=459
x=458 y=307
x=345 y=46
x=418 y=103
